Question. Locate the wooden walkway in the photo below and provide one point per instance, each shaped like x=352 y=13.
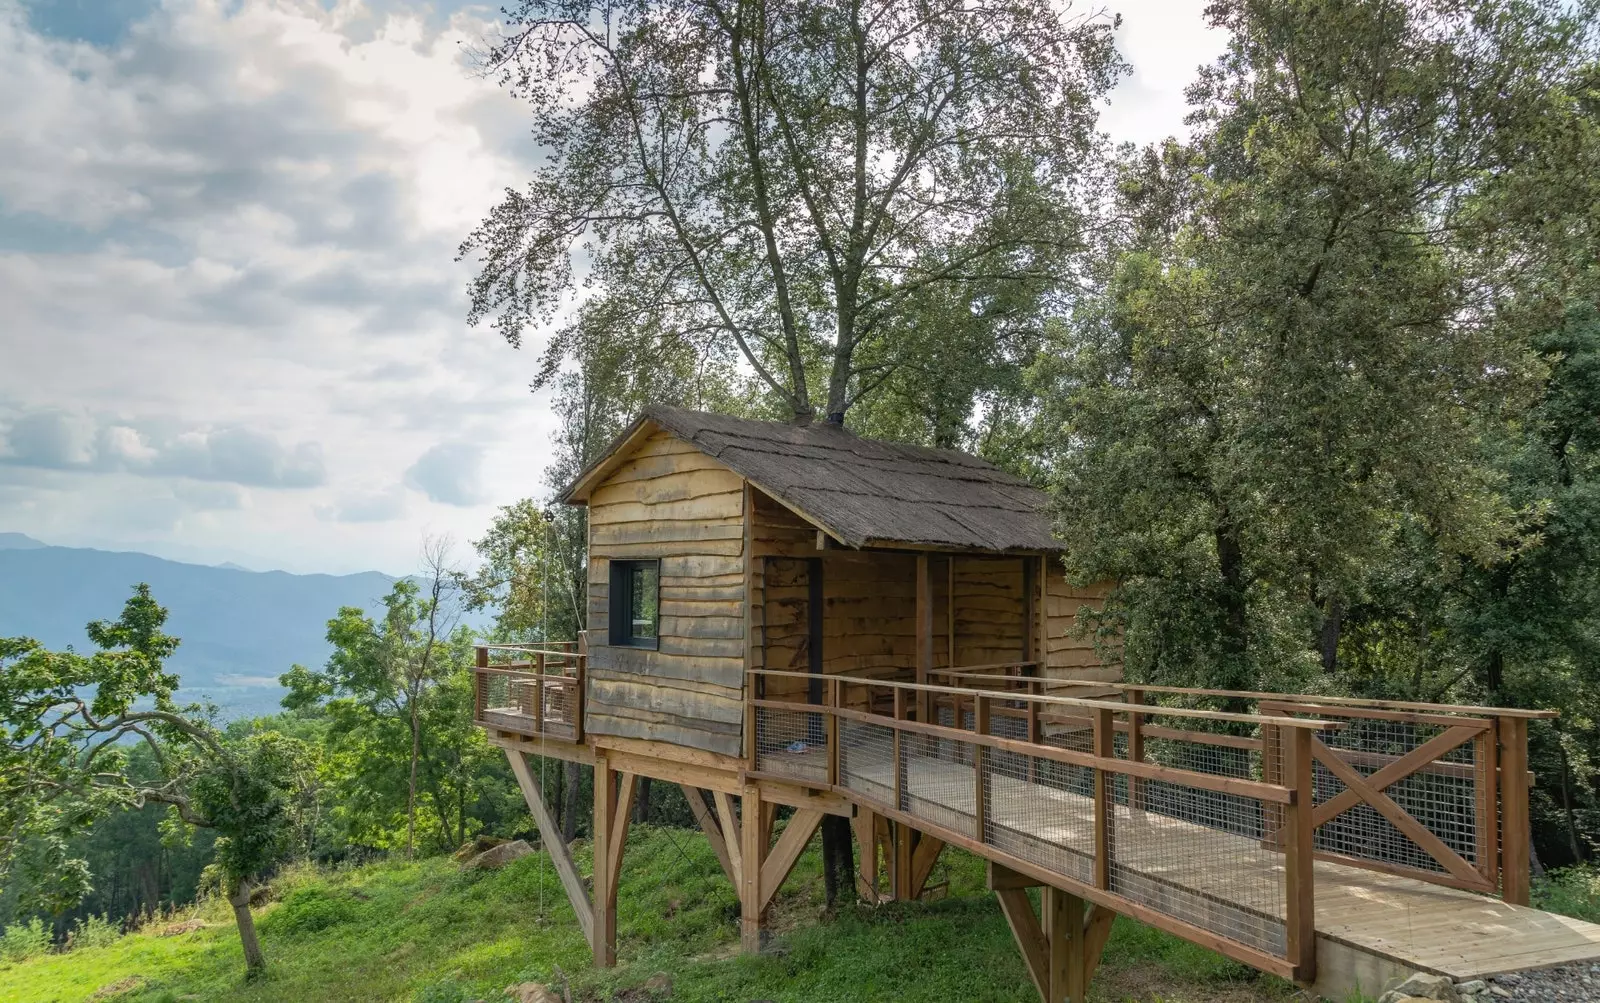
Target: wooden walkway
x=1402 y=920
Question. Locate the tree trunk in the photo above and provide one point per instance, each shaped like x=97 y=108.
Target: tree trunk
x=411 y=788
x=1332 y=621
x=641 y=801
x=569 y=814
x=254 y=962
x=838 y=864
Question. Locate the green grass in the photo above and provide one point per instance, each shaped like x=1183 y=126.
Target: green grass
x=1572 y=891
x=427 y=932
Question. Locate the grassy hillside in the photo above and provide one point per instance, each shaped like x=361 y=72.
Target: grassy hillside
x=427 y=932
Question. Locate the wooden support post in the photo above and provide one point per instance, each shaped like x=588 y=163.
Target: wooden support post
x=480 y=685
x=980 y=769
x=1299 y=878
x=1062 y=946
x=1135 y=748
x=732 y=835
x=550 y=837
x=1104 y=807
x=1274 y=818
x=923 y=856
x=604 y=941
x=796 y=835
x=1063 y=917
x=538 y=694
x=1486 y=822
x=924 y=634
x=864 y=824
x=714 y=834
x=1514 y=831
x=751 y=856
x=832 y=722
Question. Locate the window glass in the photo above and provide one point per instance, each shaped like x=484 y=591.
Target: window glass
x=646 y=595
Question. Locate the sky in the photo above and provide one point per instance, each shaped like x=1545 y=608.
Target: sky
x=231 y=323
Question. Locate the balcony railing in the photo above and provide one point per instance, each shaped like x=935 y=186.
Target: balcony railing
x=533 y=690
x=1202 y=821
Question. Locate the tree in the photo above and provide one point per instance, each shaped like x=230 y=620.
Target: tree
x=1306 y=325
x=67 y=719
x=394 y=687
x=787 y=184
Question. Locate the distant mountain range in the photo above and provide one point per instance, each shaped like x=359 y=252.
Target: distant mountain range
x=240 y=628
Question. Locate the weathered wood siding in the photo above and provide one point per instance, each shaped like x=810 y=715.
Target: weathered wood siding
x=671 y=501
x=991 y=610
x=1067 y=655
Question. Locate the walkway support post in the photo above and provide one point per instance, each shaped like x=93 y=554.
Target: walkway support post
x=1299 y=879
x=752 y=854
x=1515 y=861
x=1061 y=947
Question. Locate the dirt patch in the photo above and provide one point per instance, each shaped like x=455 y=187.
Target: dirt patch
x=119 y=987
x=179 y=929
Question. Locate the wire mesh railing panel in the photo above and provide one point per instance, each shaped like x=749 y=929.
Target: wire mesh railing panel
x=496 y=691
x=1443 y=796
x=1035 y=810
x=939 y=785
x=792 y=744
x=1199 y=856
x=866 y=760
x=561 y=707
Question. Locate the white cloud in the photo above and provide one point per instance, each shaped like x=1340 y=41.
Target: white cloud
x=242 y=220
x=232 y=321
x=450 y=473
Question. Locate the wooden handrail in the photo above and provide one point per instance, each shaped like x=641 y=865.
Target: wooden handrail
x=1055 y=701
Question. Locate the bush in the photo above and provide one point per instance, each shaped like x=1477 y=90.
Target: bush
x=22 y=941
x=1571 y=891
x=310 y=910
x=93 y=931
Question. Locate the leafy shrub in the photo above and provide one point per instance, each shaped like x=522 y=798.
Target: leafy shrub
x=93 y=931
x=1571 y=891
x=22 y=941
x=310 y=910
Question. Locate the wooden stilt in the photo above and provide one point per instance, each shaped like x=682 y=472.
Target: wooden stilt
x=802 y=826
x=1061 y=947
x=714 y=834
x=751 y=854
x=604 y=939
x=923 y=857
x=550 y=836
x=865 y=825
x=901 y=863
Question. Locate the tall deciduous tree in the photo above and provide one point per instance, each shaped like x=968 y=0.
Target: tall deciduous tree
x=783 y=184
x=1307 y=324
x=65 y=723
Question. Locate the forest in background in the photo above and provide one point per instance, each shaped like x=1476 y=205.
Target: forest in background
x=1318 y=385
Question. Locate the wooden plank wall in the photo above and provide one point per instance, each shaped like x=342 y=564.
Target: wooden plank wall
x=671 y=501
x=991 y=610
x=1070 y=657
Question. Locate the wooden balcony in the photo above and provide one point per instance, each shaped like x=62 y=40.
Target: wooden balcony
x=531 y=690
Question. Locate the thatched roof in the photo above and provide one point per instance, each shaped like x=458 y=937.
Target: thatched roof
x=862 y=492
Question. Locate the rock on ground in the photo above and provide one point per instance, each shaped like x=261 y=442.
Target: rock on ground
x=499 y=856
x=477 y=845
x=1579 y=983
x=531 y=992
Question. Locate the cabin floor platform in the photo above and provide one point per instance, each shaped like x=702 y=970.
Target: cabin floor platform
x=1403 y=924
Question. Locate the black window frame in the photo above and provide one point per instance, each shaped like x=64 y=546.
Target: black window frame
x=620 y=626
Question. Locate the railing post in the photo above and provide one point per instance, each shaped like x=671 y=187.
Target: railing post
x=1272 y=773
x=1104 y=808
x=1299 y=878
x=580 y=670
x=1135 y=747
x=480 y=684
x=980 y=754
x=1486 y=843
x=538 y=693
x=833 y=732
x=899 y=752
x=1514 y=856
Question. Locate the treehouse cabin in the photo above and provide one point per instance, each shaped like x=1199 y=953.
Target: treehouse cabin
x=804 y=619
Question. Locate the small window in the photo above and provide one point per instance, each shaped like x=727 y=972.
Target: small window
x=635 y=603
